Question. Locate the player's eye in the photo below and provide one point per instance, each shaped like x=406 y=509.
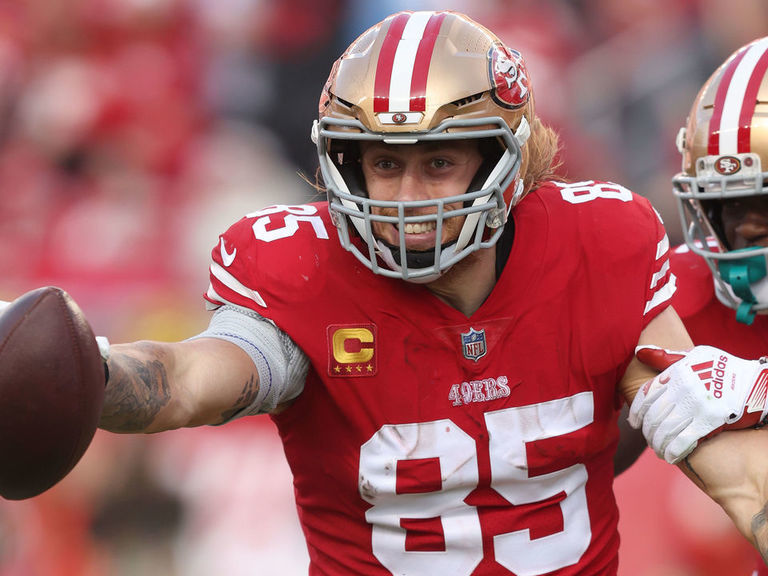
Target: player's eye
x=440 y=163
x=385 y=164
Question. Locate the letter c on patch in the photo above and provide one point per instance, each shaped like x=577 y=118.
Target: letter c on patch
x=352 y=345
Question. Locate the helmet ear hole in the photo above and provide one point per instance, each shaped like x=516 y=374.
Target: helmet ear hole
x=352 y=173
x=713 y=210
x=491 y=150
x=346 y=156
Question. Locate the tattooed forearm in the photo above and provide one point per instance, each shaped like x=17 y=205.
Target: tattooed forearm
x=246 y=398
x=760 y=533
x=138 y=389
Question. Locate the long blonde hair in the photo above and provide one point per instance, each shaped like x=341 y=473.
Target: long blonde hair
x=541 y=148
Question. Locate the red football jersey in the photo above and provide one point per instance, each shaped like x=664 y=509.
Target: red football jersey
x=426 y=442
x=708 y=321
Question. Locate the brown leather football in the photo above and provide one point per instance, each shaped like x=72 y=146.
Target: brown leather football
x=51 y=391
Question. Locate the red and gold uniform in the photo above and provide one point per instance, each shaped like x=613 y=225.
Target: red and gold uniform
x=428 y=442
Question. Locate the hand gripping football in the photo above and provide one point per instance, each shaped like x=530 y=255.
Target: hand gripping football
x=51 y=391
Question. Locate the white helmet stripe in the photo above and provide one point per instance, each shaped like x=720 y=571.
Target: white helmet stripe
x=403 y=66
x=405 y=58
x=739 y=101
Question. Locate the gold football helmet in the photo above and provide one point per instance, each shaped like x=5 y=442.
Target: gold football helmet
x=725 y=156
x=416 y=77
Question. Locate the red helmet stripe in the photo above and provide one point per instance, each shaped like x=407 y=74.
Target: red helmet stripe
x=717 y=113
x=736 y=98
x=750 y=102
x=383 y=77
x=421 y=65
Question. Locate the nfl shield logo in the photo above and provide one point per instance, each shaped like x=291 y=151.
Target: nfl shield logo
x=473 y=344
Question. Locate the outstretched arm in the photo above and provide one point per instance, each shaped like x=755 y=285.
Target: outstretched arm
x=155 y=386
x=241 y=365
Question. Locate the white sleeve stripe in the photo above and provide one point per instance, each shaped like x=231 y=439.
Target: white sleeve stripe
x=656 y=278
x=233 y=284
x=662 y=247
x=662 y=294
x=212 y=295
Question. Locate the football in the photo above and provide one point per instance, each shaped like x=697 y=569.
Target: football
x=51 y=391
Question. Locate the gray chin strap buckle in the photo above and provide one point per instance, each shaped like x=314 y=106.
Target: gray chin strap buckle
x=497 y=218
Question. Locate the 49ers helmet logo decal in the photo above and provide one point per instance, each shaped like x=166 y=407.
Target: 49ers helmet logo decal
x=509 y=78
x=727 y=165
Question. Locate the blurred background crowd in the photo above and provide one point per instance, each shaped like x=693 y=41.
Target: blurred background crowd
x=133 y=132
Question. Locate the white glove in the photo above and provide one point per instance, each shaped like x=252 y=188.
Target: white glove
x=103 y=344
x=698 y=394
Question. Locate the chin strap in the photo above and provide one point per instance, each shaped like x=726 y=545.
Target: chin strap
x=740 y=274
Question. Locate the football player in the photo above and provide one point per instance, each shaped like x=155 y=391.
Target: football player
x=445 y=343
x=722 y=198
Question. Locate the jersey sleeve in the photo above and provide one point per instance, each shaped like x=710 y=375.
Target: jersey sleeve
x=264 y=269
x=268 y=260
x=229 y=274
x=623 y=238
x=662 y=282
